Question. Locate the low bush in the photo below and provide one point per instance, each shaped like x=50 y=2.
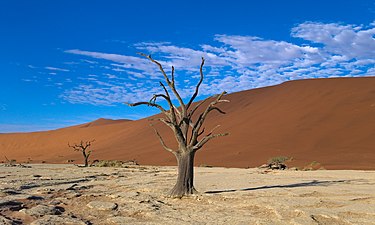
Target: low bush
x=278 y=160
x=113 y=163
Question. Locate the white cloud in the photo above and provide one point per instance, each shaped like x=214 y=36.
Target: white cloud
x=349 y=41
x=233 y=63
x=32 y=67
x=56 y=69
x=111 y=76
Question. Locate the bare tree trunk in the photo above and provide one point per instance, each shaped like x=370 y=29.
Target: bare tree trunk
x=185 y=178
x=86 y=159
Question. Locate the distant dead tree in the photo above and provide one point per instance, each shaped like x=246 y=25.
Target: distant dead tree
x=188 y=130
x=83 y=147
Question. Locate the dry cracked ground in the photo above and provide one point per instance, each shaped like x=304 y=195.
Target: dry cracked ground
x=66 y=194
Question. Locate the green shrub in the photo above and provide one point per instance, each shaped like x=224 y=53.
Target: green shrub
x=278 y=160
x=113 y=163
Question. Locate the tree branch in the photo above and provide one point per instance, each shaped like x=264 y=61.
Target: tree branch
x=172 y=75
x=202 y=118
x=148 y=104
x=81 y=146
x=204 y=140
x=172 y=108
x=161 y=140
x=166 y=122
x=170 y=84
x=198 y=85
x=158 y=64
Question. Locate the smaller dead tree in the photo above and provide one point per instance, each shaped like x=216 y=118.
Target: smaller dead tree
x=83 y=147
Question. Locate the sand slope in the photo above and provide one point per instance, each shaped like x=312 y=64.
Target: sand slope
x=330 y=121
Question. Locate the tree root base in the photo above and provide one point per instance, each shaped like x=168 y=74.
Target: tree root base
x=181 y=192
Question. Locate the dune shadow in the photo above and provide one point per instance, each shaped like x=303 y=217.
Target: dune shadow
x=295 y=185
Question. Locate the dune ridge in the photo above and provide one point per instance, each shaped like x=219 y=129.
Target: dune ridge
x=325 y=121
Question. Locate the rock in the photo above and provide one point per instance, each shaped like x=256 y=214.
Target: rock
x=42 y=210
x=5 y=221
x=55 y=202
x=56 y=220
x=102 y=205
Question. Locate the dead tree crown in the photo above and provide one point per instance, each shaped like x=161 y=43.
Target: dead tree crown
x=180 y=119
x=83 y=146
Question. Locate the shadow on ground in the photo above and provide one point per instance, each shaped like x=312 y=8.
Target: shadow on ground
x=304 y=184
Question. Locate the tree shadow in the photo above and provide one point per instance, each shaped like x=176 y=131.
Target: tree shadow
x=52 y=183
x=304 y=184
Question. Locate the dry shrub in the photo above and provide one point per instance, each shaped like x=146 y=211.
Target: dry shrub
x=278 y=160
x=113 y=163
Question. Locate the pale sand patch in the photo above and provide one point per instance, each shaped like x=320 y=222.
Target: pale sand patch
x=227 y=196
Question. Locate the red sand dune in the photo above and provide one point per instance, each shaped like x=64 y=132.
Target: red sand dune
x=330 y=121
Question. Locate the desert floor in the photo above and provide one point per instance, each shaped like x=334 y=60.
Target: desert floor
x=66 y=194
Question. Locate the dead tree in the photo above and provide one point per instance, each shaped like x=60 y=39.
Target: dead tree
x=83 y=147
x=187 y=128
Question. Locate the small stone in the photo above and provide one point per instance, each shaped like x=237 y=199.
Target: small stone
x=102 y=205
x=120 y=220
x=55 y=202
x=5 y=221
x=42 y=210
x=44 y=191
x=48 y=220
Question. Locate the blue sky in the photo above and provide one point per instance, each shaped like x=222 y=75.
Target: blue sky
x=68 y=62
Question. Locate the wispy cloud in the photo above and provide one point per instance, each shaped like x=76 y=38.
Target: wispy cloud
x=233 y=63
x=32 y=67
x=56 y=69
